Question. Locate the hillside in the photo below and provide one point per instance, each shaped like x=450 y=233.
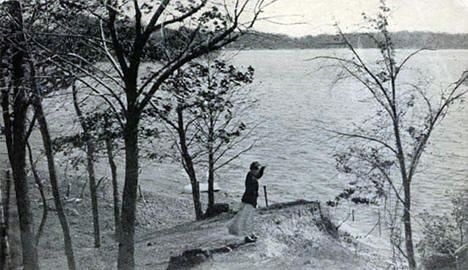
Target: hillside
x=175 y=38
x=260 y=40
x=291 y=237
x=402 y=39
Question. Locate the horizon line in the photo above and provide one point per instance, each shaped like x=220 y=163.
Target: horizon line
x=356 y=32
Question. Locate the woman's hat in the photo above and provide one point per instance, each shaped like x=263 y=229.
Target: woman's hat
x=255 y=165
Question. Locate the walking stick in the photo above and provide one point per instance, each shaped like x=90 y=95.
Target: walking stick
x=266 y=196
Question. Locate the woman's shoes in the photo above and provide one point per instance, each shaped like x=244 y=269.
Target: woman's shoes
x=251 y=238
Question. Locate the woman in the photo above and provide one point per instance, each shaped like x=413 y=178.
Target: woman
x=251 y=184
x=240 y=224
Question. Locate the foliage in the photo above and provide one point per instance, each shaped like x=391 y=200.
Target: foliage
x=439 y=235
x=460 y=214
x=213 y=97
x=101 y=126
x=368 y=166
x=443 y=235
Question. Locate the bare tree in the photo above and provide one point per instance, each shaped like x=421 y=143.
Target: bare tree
x=406 y=116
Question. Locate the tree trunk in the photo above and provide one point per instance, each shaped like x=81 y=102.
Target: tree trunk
x=4 y=202
x=126 y=259
x=53 y=181
x=17 y=135
x=3 y=241
x=406 y=186
x=22 y=191
x=90 y=168
x=92 y=189
x=14 y=232
x=210 y=164
x=115 y=186
x=211 y=199
x=407 y=224
x=40 y=187
x=187 y=159
x=5 y=255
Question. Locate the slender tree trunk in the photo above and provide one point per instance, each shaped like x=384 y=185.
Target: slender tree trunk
x=210 y=165
x=407 y=225
x=126 y=259
x=14 y=233
x=4 y=202
x=189 y=164
x=211 y=199
x=5 y=183
x=3 y=241
x=90 y=168
x=40 y=187
x=22 y=193
x=115 y=186
x=11 y=214
x=5 y=211
x=53 y=181
x=92 y=189
x=46 y=139
x=407 y=191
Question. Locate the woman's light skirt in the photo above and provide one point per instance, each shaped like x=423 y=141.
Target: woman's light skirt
x=243 y=221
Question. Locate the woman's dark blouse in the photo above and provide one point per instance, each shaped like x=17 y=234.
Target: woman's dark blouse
x=251 y=187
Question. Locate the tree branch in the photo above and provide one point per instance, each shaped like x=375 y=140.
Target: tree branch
x=386 y=145
x=209 y=45
x=180 y=18
x=108 y=54
x=407 y=58
x=137 y=18
x=119 y=51
x=368 y=71
x=234 y=157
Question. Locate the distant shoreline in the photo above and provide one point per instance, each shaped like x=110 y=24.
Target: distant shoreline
x=402 y=40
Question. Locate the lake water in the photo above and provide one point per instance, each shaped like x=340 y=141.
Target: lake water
x=294 y=93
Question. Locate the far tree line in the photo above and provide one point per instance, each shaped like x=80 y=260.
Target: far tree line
x=401 y=40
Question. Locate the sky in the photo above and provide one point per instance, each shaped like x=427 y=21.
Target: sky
x=310 y=17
